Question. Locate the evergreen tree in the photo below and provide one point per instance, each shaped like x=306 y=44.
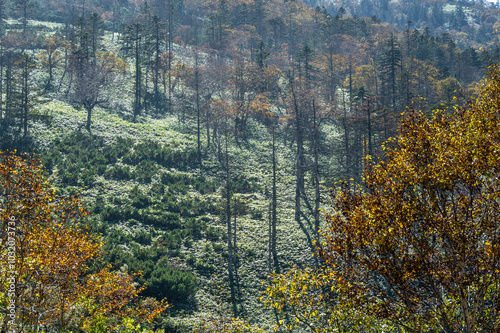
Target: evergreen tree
x=24 y=9
x=136 y=43
x=3 y=16
x=157 y=39
x=389 y=68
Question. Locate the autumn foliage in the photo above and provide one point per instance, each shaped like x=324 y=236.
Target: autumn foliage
x=418 y=245
x=46 y=257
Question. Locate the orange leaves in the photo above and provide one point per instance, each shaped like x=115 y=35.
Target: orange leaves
x=108 y=294
x=221 y=109
x=48 y=251
x=111 y=62
x=260 y=106
x=51 y=56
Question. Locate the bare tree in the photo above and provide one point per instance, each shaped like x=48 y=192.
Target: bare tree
x=92 y=87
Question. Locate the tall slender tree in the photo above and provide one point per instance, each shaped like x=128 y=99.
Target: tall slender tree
x=157 y=40
x=25 y=65
x=230 y=247
x=390 y=66
x=274 y=205
x=24 y=9
x=135 y=43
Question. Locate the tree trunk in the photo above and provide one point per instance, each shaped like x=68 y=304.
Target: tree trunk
x=208 y=127
x=198 y=120
x=1 y=82
x=316 y=176
x=368 y=111
x=157 y=67
x=346 y=139
x=169 y=50
x=230 y=235
x=8 y=88
x=138 y=78
x=299 y=174
x=25 y=96
x=274 y=219
x=270 y=241
x=89 y=115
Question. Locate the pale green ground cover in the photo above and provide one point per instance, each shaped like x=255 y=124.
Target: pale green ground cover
x=106 y=124
x=250 y=159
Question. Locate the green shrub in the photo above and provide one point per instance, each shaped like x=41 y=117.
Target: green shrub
x=120 y=213
x=188 y=242
x=219 y=247
x=142 y=237
x=157 y=190
x=195 y=227
x=170 y=239
x=118 y=149
x=211 y=233
x=161 y=279
x=172 y=220
x=145 y=170
x=204 y=267
x=165 y=220
x=111 y=214
x=78 y=157
x=191 y=260
x=139 y=199
x=241 y=184
x=147 y=150
x=119 y=172
x=162 y=155
x=170 y=283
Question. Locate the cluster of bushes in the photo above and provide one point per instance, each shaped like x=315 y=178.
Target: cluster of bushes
x=162 y=155
x=80 y=157
x=180 y=183
x=160 y=219
x=119 y=172
x=241 y=184
x=177 y=218
x=168 y=210
x=188 y=207
x=162 y=279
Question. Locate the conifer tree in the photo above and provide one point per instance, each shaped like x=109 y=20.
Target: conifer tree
x=390 y=65
x=136 y=44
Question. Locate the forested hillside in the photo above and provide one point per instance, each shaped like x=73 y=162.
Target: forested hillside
x=203 y=136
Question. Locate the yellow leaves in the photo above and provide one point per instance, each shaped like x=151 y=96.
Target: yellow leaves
x=260 y=105
x=56 y=254
x=429 y=208
x=111 y=61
